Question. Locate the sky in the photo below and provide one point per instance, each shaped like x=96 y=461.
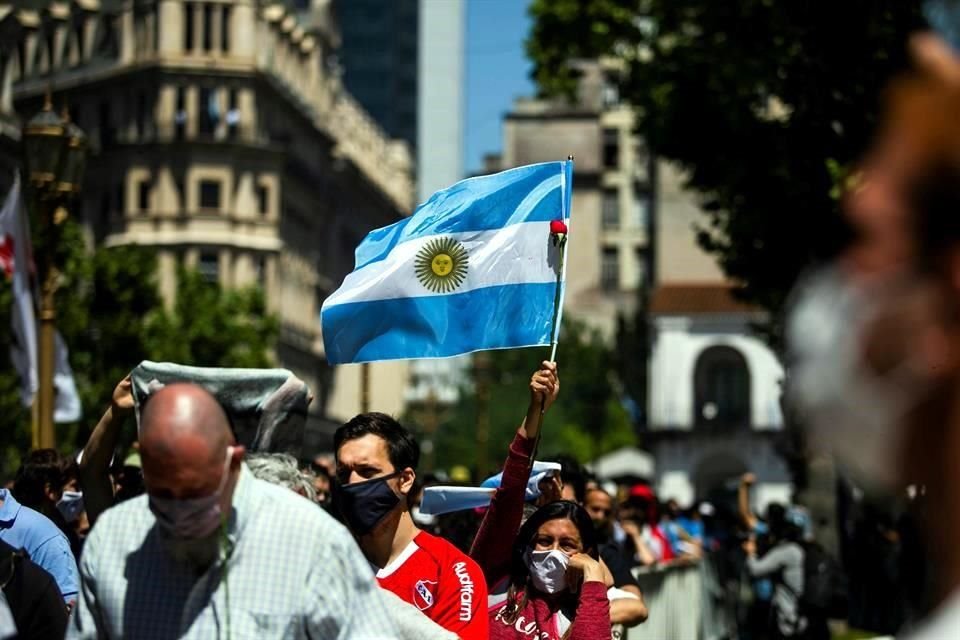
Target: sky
x=497 y=72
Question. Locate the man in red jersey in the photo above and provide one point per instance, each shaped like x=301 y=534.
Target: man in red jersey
x=376 y=468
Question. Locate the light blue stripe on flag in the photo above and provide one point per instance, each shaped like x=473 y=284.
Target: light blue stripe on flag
x=440 y=326
x=499 y=292
x=527 y=194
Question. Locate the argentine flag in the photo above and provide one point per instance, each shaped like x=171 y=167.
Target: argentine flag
x=473 y=268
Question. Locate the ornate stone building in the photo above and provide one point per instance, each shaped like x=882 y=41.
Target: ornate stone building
x=610 y=251
x=221 y=135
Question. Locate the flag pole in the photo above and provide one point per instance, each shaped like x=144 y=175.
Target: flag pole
x=560 y=241
x=365 y=387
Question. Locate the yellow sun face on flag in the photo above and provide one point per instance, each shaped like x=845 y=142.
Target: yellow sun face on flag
x=441 y=265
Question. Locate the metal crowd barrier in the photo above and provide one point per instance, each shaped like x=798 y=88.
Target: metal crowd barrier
x=685 y=601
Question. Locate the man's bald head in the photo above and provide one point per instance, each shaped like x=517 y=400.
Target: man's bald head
x=184 y=436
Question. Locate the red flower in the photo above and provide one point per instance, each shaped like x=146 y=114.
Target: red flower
x=558 y=227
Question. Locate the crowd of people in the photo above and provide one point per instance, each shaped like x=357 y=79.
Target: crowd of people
x=191 y=535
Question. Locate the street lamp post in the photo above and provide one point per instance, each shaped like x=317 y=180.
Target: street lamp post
x=55 y=158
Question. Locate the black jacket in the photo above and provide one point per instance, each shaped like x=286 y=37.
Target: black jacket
x=34 y=598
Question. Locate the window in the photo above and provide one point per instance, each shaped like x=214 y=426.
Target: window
x=233 y=114
x=143 y=196
x=120 y=199
x=611 y=148
x=611 y=93
x=209 y=194
x=641 y=210
x=721 y=388
x=188 y=26
x=263 y=200
x=209 y=266
x=260 y=269
x=79 y=36
x=180 y=115
x=207 y=26
x=610 y=214
x=142 y=115
x=104 y=210
x=641 y=273
x=610 y=269
x=108 y=45
x=225 y=28
x=105 y=124
x=209 y=111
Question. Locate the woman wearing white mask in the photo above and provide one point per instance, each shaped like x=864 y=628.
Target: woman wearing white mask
x=557 y=588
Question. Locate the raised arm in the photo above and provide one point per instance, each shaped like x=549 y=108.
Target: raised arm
x=743 y=501
x=95 y=464
x=494 y=540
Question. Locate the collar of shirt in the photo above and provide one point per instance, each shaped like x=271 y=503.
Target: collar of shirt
x=10 y=508
x=242 y=504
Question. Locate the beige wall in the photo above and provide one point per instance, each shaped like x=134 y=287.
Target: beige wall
x=679 y=258
x=388 y=381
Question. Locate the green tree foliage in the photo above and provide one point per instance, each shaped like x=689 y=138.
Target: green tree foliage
x=760 y=101
x=586 y=421
x=111 y=315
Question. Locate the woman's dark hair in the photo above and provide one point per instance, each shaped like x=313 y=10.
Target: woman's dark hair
x=560 y=510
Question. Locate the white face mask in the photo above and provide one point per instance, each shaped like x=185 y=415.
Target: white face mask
x=548 y=570
x=70 y=505
x=853 y=412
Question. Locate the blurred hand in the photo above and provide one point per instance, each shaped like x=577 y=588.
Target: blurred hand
x=748 y=479
x=630 y=528
x=122 y=400
x=583 y=565
x=551 y=490
x=544 y=385
x=750 y=547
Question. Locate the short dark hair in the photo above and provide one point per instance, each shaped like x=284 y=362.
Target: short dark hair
x=401 y=446
x=38 y=468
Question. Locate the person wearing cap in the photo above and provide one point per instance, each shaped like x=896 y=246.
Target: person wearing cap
x=640 y=522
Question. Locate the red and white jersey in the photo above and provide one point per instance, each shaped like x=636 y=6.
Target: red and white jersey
x=441 y=581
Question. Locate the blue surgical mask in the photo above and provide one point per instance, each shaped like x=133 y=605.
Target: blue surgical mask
x=70 y=505
x=191 y=518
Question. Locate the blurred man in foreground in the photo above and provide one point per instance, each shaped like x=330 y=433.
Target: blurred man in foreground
x=875 y=341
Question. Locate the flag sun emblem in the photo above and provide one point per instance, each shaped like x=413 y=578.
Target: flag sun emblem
x=441 y=265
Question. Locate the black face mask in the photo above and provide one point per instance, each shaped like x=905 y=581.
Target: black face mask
x=364 y=504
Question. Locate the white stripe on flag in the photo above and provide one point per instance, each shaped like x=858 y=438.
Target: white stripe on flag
x=516 y=254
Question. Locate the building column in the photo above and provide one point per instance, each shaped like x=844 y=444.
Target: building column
x=127 y=36
x=164 y=112
x=193 y=111
x=167 y=272
x=242 y=30
x=247 y=104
